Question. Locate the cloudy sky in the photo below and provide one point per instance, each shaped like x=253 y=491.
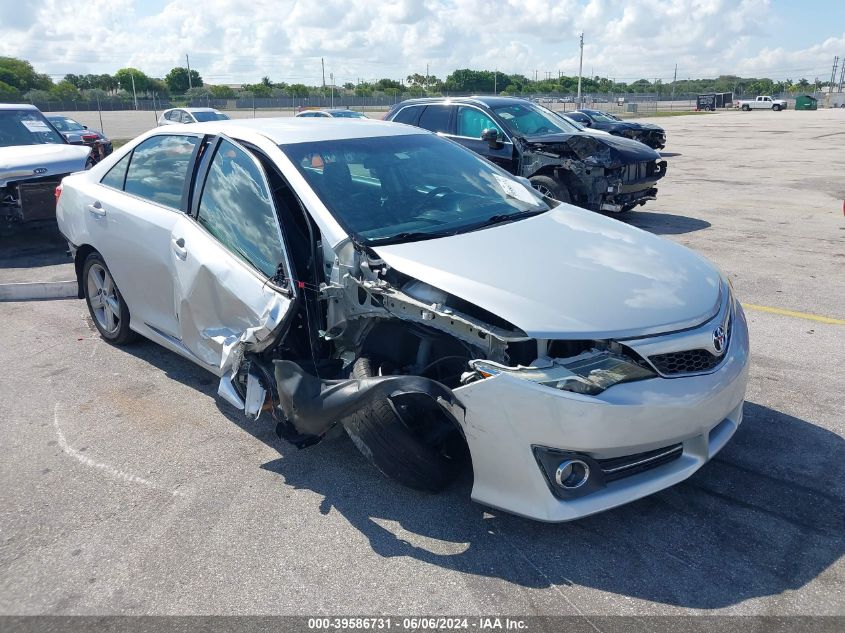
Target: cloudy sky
x=234 y=41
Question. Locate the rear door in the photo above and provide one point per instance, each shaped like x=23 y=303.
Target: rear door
x=233 y=277
x=130 y=215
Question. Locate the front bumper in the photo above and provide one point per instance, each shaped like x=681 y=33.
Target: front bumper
x=507 y=416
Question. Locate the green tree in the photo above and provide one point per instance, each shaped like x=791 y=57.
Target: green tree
x=65 y=91
x=20 y=74
x=221 y=92
x=9 y=93
x=299 y=91
x=177 y=80
x=123 y=79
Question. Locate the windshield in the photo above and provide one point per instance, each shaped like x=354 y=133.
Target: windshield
x=528 y=119
x=348 y=114
x=394 y=189
x=26 y=127
x=63 y=124
x=601 y=117
x=202 y=117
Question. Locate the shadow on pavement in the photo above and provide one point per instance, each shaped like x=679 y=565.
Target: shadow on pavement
x=669 y=154
x=765 y=516
x=663 y=223
x=31 y=247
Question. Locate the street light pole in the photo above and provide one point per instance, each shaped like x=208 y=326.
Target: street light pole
x=580 y=69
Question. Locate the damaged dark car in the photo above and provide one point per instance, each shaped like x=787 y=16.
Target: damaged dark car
x=647 y=133
x=596 y=172
x=374 y=279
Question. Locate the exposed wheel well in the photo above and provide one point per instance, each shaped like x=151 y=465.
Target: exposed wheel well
x=78 y=262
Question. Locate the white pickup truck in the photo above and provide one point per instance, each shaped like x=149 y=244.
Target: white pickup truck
x=762 y=103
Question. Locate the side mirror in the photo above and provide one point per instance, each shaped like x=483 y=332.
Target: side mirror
x=85 y=126
x=491 y=137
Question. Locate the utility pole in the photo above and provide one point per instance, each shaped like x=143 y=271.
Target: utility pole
x=833 y=74
x=331 y=77
x=674 y=79
x=580 y=68
x=496 y=82
x=188 y=64
x=134 y=94
x=323 y=66
x=841 y=77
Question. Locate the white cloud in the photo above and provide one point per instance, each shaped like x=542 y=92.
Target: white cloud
x=242 y=40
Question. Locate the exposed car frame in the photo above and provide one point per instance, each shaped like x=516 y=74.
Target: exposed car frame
x=583 y=400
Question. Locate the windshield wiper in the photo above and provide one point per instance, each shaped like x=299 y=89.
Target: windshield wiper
x=407 y=236
x=502 y=218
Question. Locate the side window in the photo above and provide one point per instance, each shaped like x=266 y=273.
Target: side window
x=173 y=115
x=435 y=118
x=408 y=115
x=472 y=122
x=235 y=207
x=117 y=174
x=158 y=168
x=577 y=116
x=186 y=118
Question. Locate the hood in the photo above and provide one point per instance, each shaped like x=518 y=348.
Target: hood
x=21 y=161
x=568 y=273
x=609 y=151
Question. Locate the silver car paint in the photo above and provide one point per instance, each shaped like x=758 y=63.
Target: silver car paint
x=19 y=162
x=568 y=273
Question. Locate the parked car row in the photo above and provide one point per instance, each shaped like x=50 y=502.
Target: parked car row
x=389 y=281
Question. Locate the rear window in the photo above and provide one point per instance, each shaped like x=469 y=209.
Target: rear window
x=202 y=117
x=408 y=115
x=435 y=118
x=158 y=167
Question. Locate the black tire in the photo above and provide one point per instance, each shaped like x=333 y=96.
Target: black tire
x=89 y=162
x=408 y=439
x=776 y=108
x=551 y=187
x=746 y=107
x=121 y=335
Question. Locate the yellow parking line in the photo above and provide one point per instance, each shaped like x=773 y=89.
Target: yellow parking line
x=793 y=313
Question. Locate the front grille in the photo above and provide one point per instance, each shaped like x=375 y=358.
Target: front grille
x=691 y=361
x=619 y=467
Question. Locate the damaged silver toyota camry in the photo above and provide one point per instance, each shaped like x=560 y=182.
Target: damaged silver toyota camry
x=378 y=278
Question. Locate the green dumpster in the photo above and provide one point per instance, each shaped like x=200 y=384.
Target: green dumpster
x=805 y=102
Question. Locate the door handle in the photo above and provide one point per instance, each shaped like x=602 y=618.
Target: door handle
x=96 y=209
x=178 y=245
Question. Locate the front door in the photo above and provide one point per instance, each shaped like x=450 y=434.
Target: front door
x=232 y=271
x=470 y=122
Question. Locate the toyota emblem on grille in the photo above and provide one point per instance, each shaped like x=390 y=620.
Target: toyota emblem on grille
x=39 y=170
x=719 y=339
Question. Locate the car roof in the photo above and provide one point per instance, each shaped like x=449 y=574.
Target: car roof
x=491 y=101
x=18 y=106
x=288 y=130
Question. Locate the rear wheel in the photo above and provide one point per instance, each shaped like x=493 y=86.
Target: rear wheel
x=551 y=188
x=408 y=438
x=107 y=307
x=746 y=107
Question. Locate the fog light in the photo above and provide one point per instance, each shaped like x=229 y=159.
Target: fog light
x=572 y=474
x=568 y=474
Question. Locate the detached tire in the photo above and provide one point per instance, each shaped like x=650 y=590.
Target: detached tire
x=105 y=304
x=551 y=188
x=407 y=438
